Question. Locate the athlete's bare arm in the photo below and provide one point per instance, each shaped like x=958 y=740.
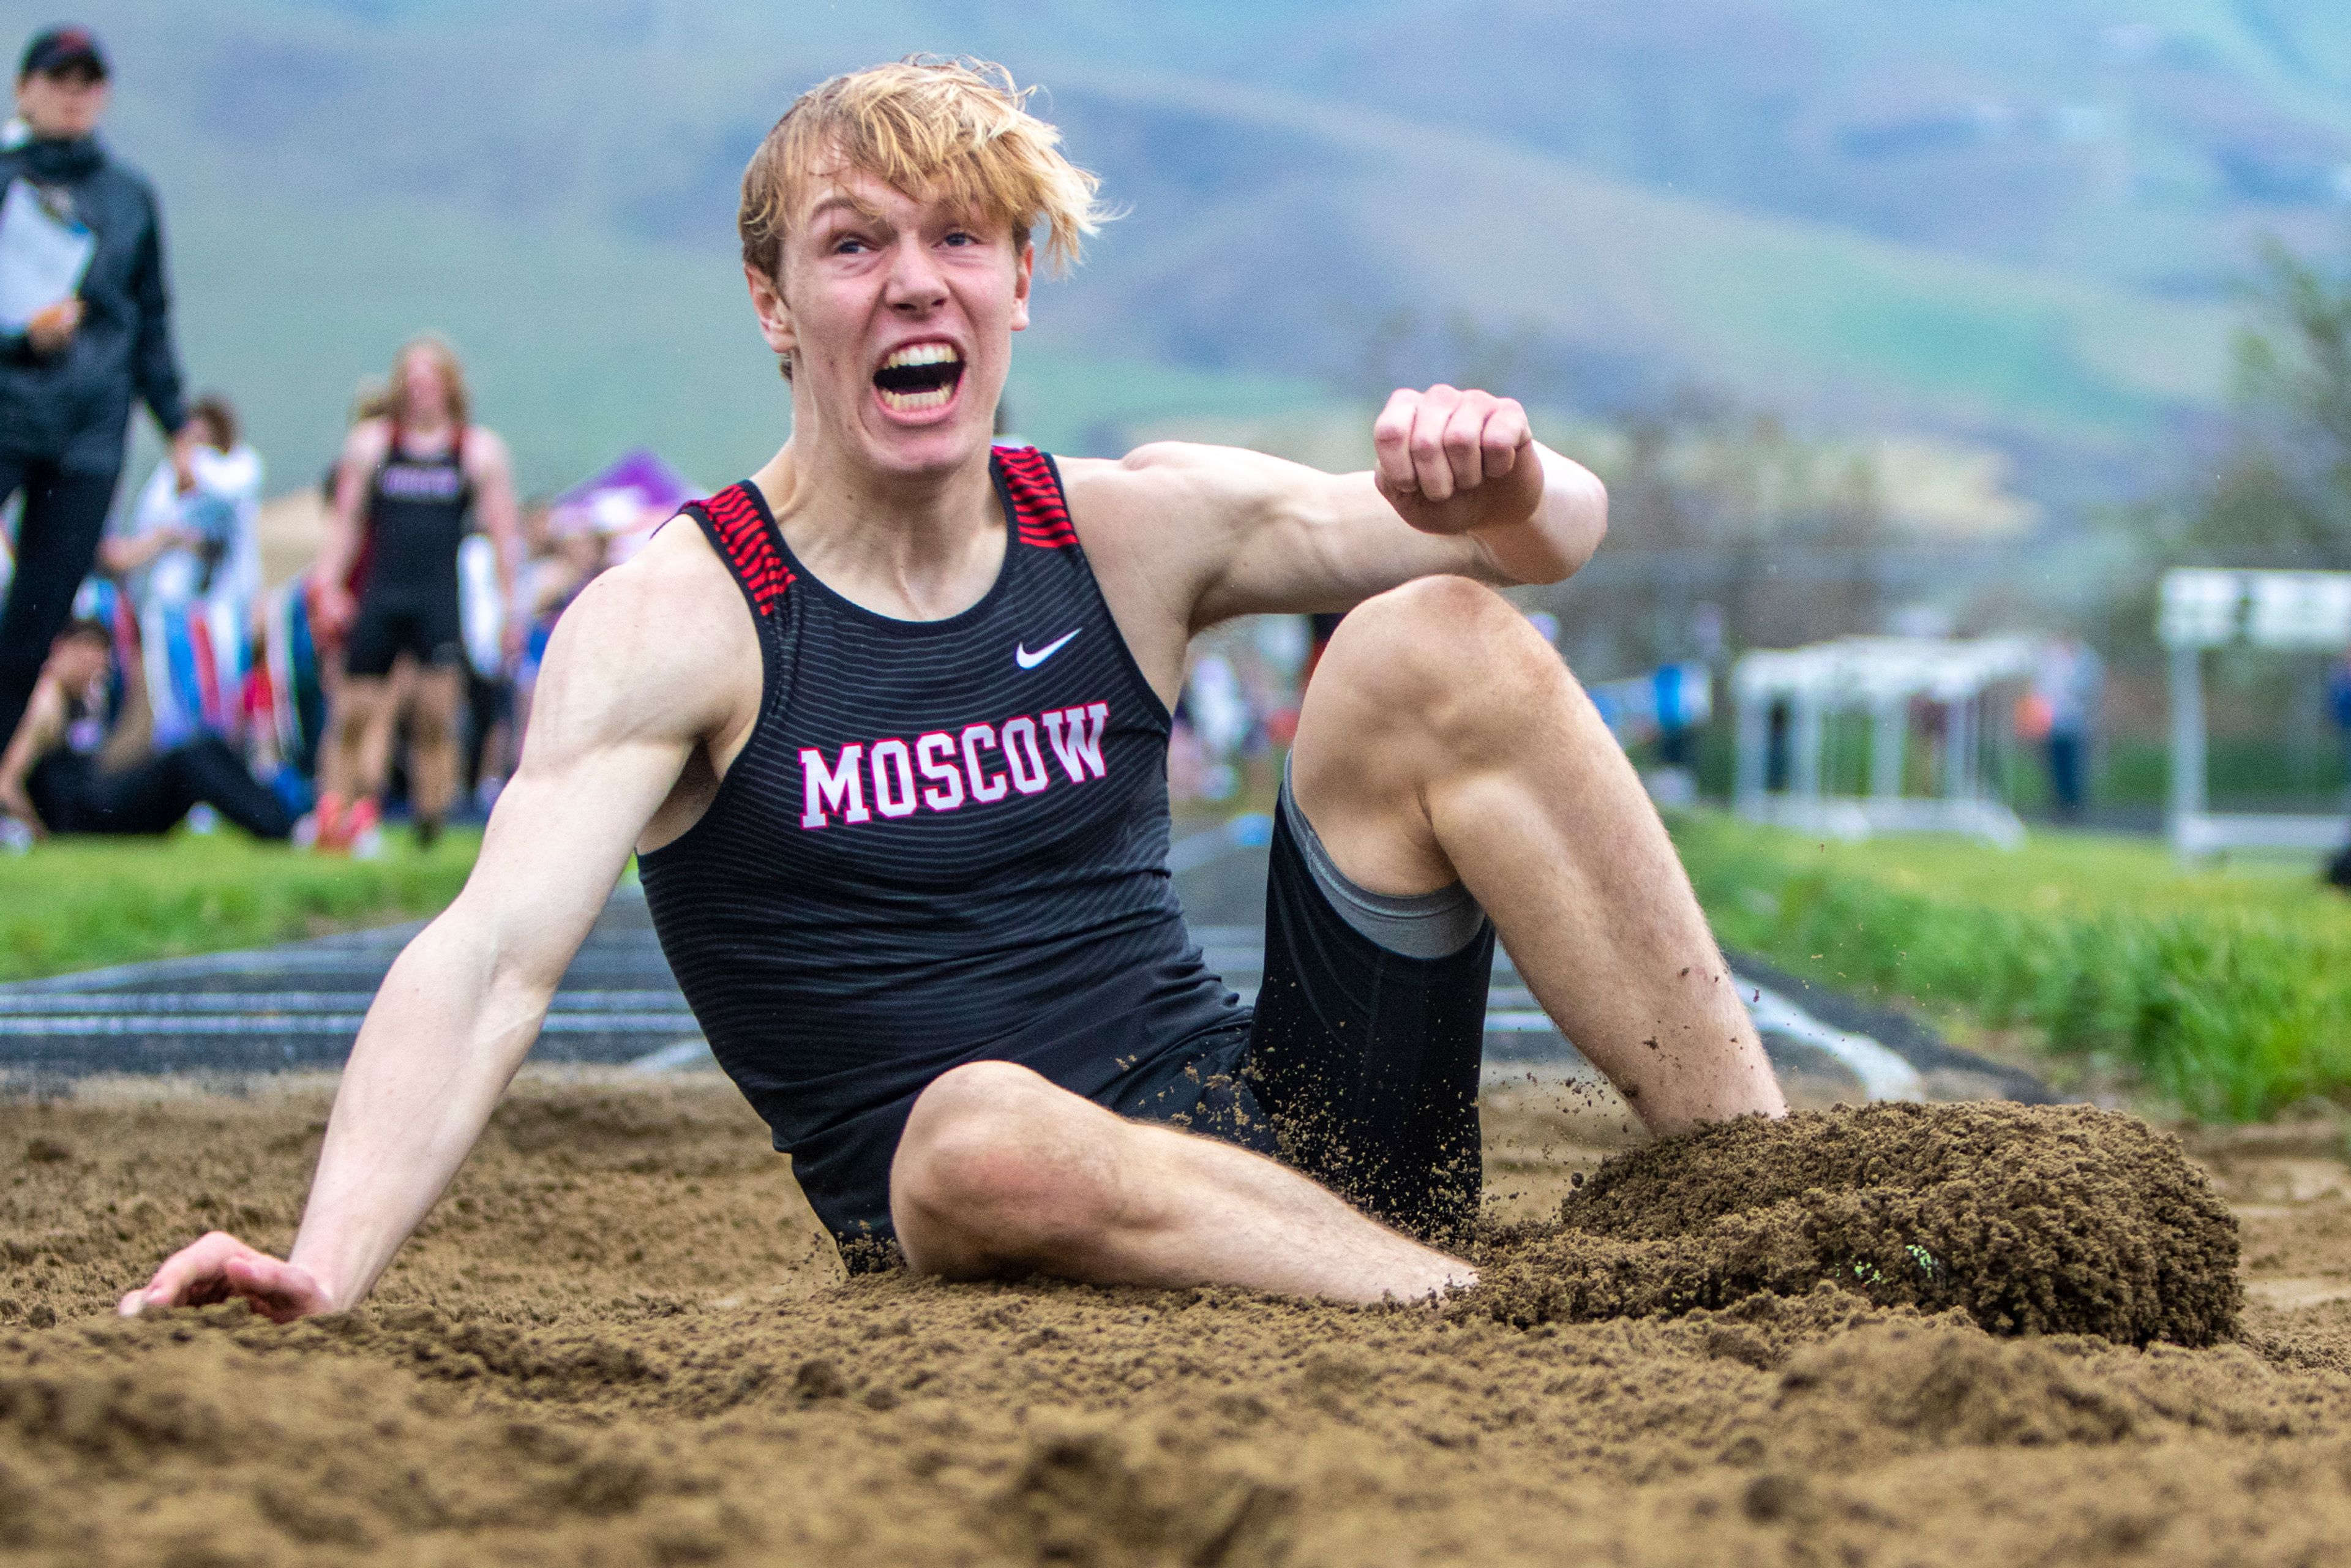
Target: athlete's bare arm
x=1185 y=535
x=364 y=449
x=654 y=666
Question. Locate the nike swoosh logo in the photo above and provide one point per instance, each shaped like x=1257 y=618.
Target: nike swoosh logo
x=1028 y=661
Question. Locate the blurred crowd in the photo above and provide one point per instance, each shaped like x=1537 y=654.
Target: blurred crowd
x=154 y=667
x=187 y=686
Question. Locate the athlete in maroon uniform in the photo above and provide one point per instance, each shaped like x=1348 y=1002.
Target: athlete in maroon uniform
x=885 y=722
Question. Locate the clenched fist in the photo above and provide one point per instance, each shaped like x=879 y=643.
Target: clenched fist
x=1451 y=461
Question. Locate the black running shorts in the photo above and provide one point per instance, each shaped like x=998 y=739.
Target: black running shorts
x=1361 y=1064
x=426 y=626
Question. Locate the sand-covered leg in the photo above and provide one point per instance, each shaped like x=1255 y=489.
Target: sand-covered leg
x=1002 y=1173
x=1442 y=740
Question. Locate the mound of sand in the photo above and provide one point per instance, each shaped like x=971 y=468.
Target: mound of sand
x=2031 y=1219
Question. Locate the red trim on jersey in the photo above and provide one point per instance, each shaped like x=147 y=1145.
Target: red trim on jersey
x=750 y=549
x=1038 y=514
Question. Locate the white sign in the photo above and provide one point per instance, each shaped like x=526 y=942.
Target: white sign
x=2200 y=608
x=2300 y=610
x=2205 y=608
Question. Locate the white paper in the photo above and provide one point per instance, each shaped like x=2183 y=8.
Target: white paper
x=41 y=259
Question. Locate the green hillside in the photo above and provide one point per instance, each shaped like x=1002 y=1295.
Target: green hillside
x=2013 y=221
x=1781 y=311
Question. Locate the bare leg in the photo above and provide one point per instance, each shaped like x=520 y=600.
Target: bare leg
x=374 y=750
x=362 y=704
x=1442 y=740
x=1001 y=1172
x=433 y=759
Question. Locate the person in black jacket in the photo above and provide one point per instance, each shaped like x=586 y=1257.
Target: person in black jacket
x=68 y=378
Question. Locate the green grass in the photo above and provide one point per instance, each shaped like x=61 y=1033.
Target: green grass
x=2227 y=992
x=80 y=903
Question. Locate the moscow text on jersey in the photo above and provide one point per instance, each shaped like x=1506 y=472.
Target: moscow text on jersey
x=980 y=764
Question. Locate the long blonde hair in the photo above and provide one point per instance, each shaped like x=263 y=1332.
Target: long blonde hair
x=453 y=376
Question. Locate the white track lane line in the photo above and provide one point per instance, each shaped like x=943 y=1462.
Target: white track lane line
x=683 y=1057
x=1884 y=1074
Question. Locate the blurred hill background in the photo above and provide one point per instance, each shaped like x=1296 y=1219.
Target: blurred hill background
x=1962 y=269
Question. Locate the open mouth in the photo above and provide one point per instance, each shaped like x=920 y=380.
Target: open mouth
x=919 y=376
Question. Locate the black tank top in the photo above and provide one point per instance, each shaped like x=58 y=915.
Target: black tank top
x=946 y=842
x=417 y=509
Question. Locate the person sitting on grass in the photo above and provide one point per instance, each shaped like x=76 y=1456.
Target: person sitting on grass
x=887 y=724
x=53 y=778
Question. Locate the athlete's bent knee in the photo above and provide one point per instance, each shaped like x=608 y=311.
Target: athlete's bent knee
x=988 y=1178
x=1441 y=652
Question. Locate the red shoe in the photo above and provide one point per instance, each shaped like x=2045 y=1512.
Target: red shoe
x=323 y=829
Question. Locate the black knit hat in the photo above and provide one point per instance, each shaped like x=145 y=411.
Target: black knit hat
x=64 y=48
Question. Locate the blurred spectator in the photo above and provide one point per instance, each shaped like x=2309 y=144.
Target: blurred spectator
x=1218 y=707
x=201 y=542
x=567 y=551
x=2338 y=702
x=407 y=488
x=2067 y=683
x=488 y=754
x=68 y=375
x=53 y=778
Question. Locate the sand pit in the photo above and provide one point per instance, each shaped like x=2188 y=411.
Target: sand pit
x=620 y=1341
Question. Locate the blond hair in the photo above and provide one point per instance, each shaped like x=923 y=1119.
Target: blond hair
x=956 y=128
x=372 y=398
x=453 y=376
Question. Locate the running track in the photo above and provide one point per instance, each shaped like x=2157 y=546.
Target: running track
x=298 y=1005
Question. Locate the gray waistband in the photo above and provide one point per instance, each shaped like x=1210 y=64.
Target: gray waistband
x=1414 y=925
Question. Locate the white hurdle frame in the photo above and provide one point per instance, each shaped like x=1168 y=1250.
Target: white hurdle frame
x=1879 y=676
x=2206 y=608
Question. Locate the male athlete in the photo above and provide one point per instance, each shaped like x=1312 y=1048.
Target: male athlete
x=886 y=724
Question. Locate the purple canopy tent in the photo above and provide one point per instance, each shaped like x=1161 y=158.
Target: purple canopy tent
x=625 y=502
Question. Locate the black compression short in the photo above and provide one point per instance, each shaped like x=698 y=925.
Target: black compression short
x=1361 y=1064
x=427 y=627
